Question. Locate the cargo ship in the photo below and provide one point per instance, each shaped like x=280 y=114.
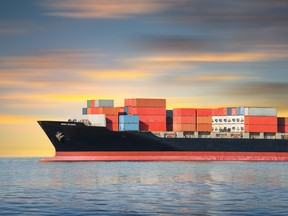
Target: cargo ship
x=143 y=130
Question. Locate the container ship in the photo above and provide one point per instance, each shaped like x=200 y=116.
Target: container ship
x=144 y=130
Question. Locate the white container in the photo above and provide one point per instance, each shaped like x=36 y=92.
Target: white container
x=96 y=119
x=260 y=111
x=104 y=103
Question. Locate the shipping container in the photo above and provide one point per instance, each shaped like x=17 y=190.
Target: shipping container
x=84 y=111
x=184 y=111
x=169 y=127
x=184 y=127
x=96 y=119
x=104 y=103
x=204 y=127
x=112 y=119
x=126 y=110
x=260 y=120
x=147 y=111
x=90 y=103
x=260 y=128
x=204 y=120
x=260 y=111
x=154 y=118
x=204 y=112
x=240 y=111
x=152 y=126
x=233 y=111
x=169 y=120
x=229 y=111
x=184 y=119
x=282 y=121
x=128 y=102
x=169 y=113
x=129 y=119
x=145 y=102
x=128 y=127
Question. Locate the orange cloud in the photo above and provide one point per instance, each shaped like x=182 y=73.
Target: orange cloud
x=219 y=57
x=104 y=8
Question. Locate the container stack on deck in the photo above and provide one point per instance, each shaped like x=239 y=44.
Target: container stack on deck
x=151 y=112
x=204 y=120
x=184 y=119
x=145 y=114
x=96 y=109
x=246 y=119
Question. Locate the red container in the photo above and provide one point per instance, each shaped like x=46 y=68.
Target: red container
x=282 y=129
x=112 y=119
x=184 y=127
x=94 y=110
x=204 y=120
x=224 y=111
x=147 y=111
x=184 y=112
x=184 y=119
x=217 y=112
x=128 y=102
x=261 y=128
x=282 y=121
x=112 y=126
x=260 y=120
x=204 y=112
x=234 y=111
x=154 y=118
x=204 y=127
x=152 y=126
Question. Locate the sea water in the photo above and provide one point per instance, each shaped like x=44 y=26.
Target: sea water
x=30 y=187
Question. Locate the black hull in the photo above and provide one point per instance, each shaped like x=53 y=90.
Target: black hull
x=80 y=138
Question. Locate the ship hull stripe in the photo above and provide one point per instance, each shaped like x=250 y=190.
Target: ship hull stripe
x=168 y=156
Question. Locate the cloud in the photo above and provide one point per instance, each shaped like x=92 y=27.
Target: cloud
x=103 y=8
x=8 y=27
x=218 y=57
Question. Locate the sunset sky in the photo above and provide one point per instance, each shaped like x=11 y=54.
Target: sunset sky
x=56 y=54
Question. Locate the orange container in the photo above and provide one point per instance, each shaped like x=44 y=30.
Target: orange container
x=147 y=111
x=112 y=119
x=204 y=112
x=184 y=119
x=260 y=120
x=204 y=127
x=260 y=128
x=224 y=111
x=204 y=120
x=128 y=102
x=146 y=102
x=184 y=111
x=184 y=127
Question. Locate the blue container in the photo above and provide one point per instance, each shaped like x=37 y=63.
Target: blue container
x=129 y=119
x=128 y=127
x=240 y=111
x=169 y=113
x=229 y=111
x=84 y=111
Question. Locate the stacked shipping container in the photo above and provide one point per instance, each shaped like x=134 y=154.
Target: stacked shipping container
x=98 y=108
x=246 y=119
x=151 y=112
x=184 y=119
x=204 y=120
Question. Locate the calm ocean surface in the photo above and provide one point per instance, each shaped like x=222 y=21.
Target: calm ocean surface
x=29 y=187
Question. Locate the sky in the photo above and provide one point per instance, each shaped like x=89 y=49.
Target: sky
x=56 y=54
